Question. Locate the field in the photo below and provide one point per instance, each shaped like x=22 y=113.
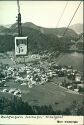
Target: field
x=51 y=94
x=46 y=94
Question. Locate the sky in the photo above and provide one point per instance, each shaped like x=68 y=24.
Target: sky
x=41 y=13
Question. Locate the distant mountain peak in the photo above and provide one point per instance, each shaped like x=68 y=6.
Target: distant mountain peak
x=78 y=28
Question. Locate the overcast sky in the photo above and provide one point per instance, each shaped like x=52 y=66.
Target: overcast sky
x=42 y=13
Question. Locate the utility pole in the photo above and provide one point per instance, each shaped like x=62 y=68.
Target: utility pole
x=19 y=20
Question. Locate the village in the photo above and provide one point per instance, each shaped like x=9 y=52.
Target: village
x=39 y=73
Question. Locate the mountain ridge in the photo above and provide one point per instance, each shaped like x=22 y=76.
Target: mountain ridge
x=78 y=28
x=39 y=38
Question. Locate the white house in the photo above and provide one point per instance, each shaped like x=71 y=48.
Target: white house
x=78 y=77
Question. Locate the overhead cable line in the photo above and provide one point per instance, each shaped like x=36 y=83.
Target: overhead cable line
x=72 y=18
x=62 y=14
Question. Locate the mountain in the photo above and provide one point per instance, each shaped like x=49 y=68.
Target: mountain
x=8 y=26
x=39 y=38
x=2 y=28
x=54 y=31
x=78 y=28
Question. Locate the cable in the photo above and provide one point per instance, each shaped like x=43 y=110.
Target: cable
x=72 y=18
x=18 y=6
x=62 y=14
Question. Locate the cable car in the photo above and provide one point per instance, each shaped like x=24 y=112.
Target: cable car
x=21 y=46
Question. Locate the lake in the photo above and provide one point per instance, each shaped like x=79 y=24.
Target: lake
x=74 y=59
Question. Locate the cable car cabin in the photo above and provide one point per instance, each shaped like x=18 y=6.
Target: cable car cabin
x=21 y=46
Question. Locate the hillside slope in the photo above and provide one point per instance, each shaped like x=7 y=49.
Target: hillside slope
x=39 y=39
x=78 y=28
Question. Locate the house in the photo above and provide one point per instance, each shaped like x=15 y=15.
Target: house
x=77 y=77
x=80 y=85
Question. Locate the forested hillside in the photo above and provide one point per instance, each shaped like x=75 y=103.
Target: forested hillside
x=39 y=39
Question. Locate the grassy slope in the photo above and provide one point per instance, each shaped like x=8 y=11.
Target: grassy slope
x=47 y=94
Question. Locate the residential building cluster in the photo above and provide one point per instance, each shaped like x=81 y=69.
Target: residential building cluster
x=41 y=73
